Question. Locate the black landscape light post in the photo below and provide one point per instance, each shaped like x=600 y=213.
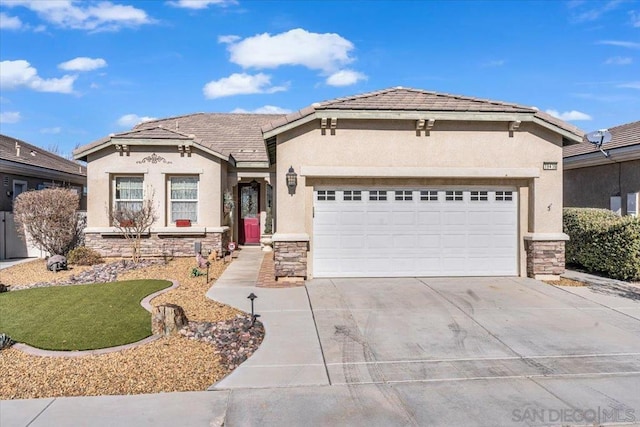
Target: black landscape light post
x=208 y=265
x=252 y=297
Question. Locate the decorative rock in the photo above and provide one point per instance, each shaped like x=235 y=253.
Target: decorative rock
x=56 y=263
x=168 y=319
x=3 y=288
x=235 y=340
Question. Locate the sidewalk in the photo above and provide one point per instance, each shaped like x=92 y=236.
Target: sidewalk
x=290 y=354
x=6 y=263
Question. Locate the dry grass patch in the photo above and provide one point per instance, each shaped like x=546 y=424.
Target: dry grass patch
x=36 y=271
x=565 y=282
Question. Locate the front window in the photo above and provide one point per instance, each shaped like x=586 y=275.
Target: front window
x=184 y=198
x=128 y=194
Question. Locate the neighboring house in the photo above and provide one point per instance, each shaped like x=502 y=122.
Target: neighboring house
x=398 y=182
x=26 y=167
x=593 y=180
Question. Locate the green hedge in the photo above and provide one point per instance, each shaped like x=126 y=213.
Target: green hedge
x=603 y=242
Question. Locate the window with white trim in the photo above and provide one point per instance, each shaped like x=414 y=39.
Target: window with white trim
x=404 y=195
x=453 y=196
x=351 y=195
x=326 y=195
x=504 y=196
x=378 y=195
x=429 y=195
x=128 y=193
x=479 y=196
x=183 y=198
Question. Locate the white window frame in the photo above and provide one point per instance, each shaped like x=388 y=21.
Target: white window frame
x=114 y=189
x=454 y=195
x=615 y=204
x=378 y=195
x=326 y=195
x=429 y=195
x=504 y=196
x=171 y=200
x=403 y=195
x=352 y=195
x=479 y=195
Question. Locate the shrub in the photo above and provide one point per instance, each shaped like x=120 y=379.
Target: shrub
x=603 y=242
x=49 y=218
x=84 y=256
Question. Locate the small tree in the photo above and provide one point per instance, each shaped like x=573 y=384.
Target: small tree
x=49 y=218
x=133 y=222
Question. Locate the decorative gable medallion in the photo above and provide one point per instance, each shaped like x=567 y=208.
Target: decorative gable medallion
x=154 y=158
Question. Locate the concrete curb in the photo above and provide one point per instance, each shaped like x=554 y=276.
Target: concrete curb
x=145 y=303
x=592 y=279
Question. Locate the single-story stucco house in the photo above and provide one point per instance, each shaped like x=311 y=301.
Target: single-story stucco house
x=612 y=181
x=398 y=182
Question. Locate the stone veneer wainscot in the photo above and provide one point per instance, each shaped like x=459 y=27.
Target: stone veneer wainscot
x=157 y=244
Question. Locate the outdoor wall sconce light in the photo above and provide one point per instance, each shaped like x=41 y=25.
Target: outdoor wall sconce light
x=292 y=180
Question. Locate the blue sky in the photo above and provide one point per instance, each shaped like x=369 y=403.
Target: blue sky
x=75 y=71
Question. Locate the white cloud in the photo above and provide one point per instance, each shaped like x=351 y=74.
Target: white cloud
x=240 y=84
x=51 y=131
x=228 y=39
x=618 y=60
x=16 y=74
x=635 y=18
x=9 y=22
x=594 y=13
x=345 y=78
x=267 y=109
x=10 y=117
x=494 y=63
x=130 y=120
x=200 y=4
x=621 y=43
x=572 y=115
x=630 y=85
x=85 y=15
x=327 y=52
x=82 y=63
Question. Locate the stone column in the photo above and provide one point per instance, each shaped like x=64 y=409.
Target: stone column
x=290 y=259
x=545 y=258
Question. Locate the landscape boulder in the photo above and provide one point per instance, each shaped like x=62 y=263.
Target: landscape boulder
x=56 y=263
x=168 y=319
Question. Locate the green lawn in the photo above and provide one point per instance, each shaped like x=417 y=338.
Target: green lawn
x=79 y=317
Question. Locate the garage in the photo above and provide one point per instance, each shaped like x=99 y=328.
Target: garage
x=408 y=232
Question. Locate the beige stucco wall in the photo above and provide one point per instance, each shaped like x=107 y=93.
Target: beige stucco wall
x=592 y=187
x=107 y=163
x=392 y=146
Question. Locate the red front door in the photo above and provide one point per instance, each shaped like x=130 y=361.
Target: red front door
x=249 y=224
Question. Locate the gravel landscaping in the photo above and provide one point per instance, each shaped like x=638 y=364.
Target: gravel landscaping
x=216 y=341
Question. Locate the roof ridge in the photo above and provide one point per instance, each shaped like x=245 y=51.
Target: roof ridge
x=42 y=151
x=424 y=92
x=167 y=118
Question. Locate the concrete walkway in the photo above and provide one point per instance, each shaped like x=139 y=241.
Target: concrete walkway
x=6 y=263
x=290 y=354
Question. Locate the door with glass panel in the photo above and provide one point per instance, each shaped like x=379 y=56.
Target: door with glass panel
x=249 y=212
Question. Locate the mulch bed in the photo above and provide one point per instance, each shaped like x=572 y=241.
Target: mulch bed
x=217 y=339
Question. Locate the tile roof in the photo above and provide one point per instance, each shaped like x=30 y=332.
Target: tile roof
x=36 y=156
x=406 y=99
x=238 y=135
x=621 y=136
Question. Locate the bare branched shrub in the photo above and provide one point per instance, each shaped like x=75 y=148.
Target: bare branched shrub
x=49 y=218
x=133 y=223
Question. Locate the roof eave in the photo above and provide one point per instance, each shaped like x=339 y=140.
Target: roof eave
x=82 y=155
x=596 y=158
x=568 y=137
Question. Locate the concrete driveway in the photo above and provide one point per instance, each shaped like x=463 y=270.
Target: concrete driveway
x=438 y=329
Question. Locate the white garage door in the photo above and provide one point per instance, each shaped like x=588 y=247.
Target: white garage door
x=415 y=232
